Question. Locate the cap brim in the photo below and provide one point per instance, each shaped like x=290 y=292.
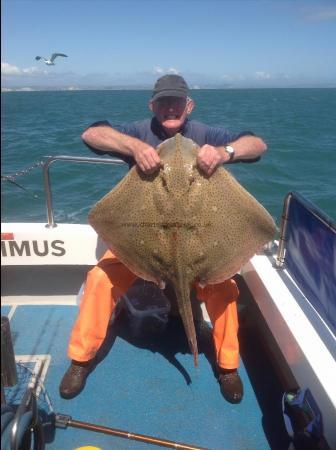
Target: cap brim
x=169 y=93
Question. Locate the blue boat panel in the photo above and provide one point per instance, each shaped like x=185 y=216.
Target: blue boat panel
x=5 y=310
x=311 y=257
x=150 y=386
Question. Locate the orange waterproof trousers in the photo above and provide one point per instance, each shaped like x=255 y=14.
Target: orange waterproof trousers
x=110 y=279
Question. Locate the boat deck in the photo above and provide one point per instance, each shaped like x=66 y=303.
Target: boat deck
x=149 y=385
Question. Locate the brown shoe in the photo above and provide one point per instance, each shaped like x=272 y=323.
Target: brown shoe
x=74 y=378
x=231 y=385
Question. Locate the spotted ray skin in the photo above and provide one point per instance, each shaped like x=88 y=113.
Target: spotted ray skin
x=179 y=225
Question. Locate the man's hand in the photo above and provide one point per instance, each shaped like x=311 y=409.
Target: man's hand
x=209 y=158
x=108 y=139
x=147 y=159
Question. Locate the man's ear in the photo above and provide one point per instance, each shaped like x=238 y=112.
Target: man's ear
x=151 y=106
x=190 y=105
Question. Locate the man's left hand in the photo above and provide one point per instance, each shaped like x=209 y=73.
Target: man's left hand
x=209 y=158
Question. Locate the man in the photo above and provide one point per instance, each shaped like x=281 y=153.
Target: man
x=110 y=279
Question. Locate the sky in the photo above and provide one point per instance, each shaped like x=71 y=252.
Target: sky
x=212 y=43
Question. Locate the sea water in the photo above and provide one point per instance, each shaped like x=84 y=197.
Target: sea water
x=298 y=126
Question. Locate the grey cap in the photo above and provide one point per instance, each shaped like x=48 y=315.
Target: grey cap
x=170 y=86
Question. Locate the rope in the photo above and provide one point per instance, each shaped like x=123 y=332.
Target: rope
x=23 y=172
x=12 y=177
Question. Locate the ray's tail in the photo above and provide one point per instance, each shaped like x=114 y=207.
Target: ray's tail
x=182 y=291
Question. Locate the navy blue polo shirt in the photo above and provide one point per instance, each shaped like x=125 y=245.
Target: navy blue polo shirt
x=151 y=132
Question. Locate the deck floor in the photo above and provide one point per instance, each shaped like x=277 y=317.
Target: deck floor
x=150 y=386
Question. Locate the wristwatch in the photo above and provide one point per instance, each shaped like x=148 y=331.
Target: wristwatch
x=230 y=151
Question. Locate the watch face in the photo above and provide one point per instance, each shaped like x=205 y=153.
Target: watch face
x=230 y=151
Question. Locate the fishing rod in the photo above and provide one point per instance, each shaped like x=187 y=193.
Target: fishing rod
x=64 y=421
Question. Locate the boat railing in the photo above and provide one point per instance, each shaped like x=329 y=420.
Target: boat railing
x=73 y=159
x=307 y=250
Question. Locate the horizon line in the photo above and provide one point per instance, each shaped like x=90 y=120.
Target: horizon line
x=148 y=88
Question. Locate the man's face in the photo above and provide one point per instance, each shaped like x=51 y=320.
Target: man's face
x=171 y=112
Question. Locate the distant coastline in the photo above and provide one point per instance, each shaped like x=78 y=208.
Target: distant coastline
x=149 y=88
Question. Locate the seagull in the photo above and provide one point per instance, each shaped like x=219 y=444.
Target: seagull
x=50 y=62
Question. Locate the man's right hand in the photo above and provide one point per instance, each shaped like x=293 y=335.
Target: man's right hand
x=147 y=159
x=108 y=139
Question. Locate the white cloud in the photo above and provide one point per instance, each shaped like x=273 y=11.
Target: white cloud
x=33 y=71
x=160 y=70
x=321 y=15
x=10 y=69
x=173 y=70
x=262 y=75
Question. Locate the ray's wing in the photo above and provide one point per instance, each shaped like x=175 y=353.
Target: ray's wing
x=128 y=221
x=236 y=226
